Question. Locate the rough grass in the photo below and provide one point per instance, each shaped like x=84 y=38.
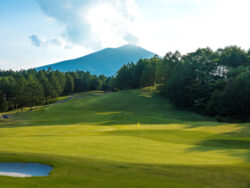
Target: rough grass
x=93 y=140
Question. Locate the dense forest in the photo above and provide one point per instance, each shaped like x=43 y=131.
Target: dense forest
x=214 y=83
x=28 y=88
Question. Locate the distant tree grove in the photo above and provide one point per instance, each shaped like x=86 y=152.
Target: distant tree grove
x=214 y=83
x=28 y=88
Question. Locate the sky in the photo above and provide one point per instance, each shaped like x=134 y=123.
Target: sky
x=40 y=32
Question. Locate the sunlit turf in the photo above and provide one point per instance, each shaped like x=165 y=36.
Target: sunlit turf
x=93 y=140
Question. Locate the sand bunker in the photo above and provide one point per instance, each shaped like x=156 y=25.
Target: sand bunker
x=24 y=169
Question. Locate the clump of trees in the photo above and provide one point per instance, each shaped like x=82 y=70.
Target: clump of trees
x=215 y=83
x=28 y=88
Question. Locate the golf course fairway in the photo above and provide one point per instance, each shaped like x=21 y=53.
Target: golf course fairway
x=94 y=140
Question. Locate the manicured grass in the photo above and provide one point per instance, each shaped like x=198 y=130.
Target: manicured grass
x=93 y=140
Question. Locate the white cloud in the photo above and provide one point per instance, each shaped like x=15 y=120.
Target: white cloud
x=36 y=41
x=94 y=23
x=112 y=23
x=200 y=24
x=54 y=42
x=66 y=29
x=165 y=25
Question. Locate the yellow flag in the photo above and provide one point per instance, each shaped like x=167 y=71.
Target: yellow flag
x=138 y=125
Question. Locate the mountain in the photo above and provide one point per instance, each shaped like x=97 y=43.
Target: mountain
x=107 y=61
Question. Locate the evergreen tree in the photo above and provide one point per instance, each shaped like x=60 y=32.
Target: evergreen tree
x=95 y=83
x=43 y=80
x=55 y=89
x=69 y=84
x=20 y=92
x=34 y=92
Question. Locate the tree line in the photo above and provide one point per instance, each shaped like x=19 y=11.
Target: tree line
x=215 y=83
x=20 y=89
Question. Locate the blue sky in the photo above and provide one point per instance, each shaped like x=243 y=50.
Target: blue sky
x=40 y=32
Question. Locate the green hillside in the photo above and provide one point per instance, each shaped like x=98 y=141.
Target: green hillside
x=93 y=140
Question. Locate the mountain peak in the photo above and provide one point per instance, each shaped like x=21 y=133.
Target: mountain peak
x=129 y=46
x=107 y=61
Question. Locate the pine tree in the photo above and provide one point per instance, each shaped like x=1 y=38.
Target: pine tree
x=69 y=84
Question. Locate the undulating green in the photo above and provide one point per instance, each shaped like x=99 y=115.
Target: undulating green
x=93 y=140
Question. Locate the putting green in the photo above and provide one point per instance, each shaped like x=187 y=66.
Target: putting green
x=94 y=140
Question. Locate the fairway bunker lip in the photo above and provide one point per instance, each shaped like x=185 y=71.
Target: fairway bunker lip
x=24 y=169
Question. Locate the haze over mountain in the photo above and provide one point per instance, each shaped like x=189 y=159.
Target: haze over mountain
x=107 y=61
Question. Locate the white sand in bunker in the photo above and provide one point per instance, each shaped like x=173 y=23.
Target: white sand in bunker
x=16 y=169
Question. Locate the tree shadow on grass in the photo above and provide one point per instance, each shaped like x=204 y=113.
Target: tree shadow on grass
x=234 y=146
x=236 y=143
x=199 y=141
x=225 y=144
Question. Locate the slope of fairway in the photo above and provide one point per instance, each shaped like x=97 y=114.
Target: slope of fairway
x=93 y=140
